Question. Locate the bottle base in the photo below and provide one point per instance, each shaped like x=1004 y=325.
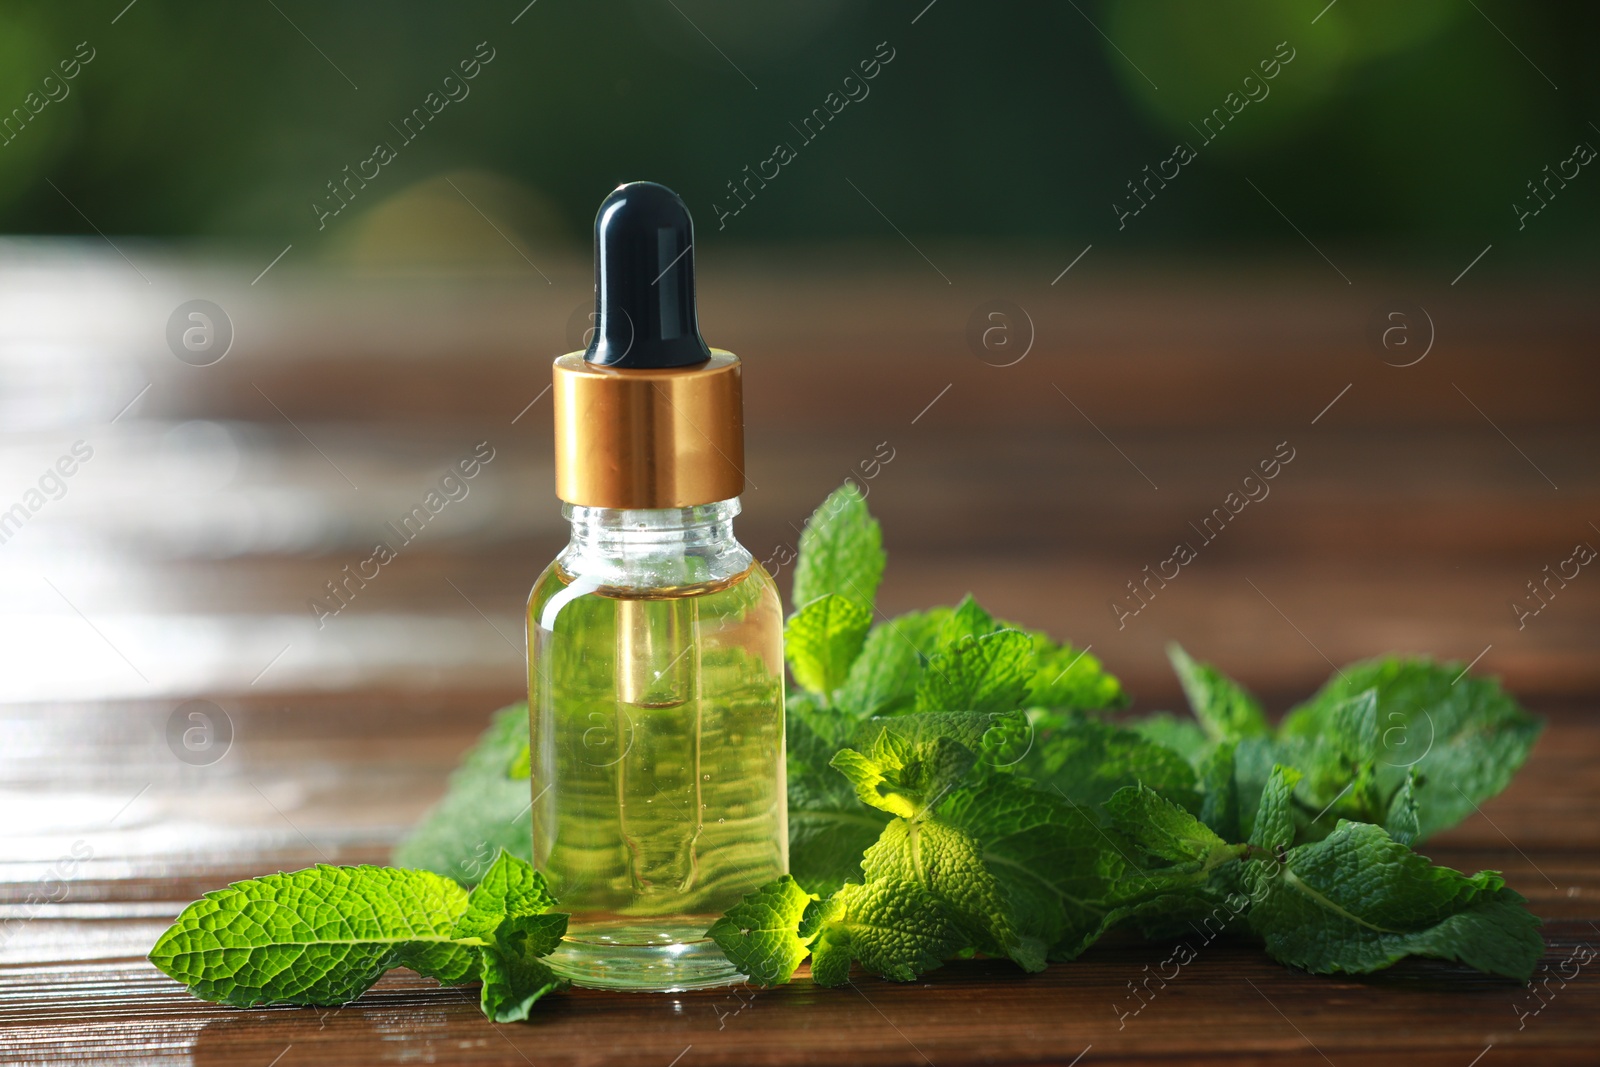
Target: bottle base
x=643 y=956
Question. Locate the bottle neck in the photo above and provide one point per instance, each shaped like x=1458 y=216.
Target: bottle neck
x=654 y=548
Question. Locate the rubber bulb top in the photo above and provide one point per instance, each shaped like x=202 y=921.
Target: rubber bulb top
x=645 y=313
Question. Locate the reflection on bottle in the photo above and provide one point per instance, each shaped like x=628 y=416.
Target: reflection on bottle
x=658 y=705
x=655 y=642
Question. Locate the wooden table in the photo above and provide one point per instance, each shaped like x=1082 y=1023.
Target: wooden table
x=180 y=560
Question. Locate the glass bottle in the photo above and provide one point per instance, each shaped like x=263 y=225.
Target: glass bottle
x=655 y=641
x=656 y=702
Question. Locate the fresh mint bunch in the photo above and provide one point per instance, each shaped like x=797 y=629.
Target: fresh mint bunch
x=324 y=935
x=953 y=791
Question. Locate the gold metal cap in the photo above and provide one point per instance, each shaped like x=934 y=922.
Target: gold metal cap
x=648 y=437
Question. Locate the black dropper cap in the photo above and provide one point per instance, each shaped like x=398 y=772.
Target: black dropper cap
x=644 y=281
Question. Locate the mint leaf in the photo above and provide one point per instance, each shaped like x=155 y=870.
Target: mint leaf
x=510 y=913
x=841 y=551
x=1063 y=875
x=825 y=729
x=1182 y=736
x=1358 y=901
x=968 y=619
x=483 y=811
x=927 y=895
x=521 y=765
x=899 y=765
x=514 y=976
x=978 y=673
x=1274 y=820
x=1402 y=821
x=1353 y=725
x=1226 y=712
x=1164 y=830
x=325 y=934
x=883 y=678
x=510 y=889
x=980 y=732
x=905 y=764
x=1044 y=873
x=905 y=778
x=895 y=930
x=947 y=863
x=1339 y=765
x=829 y=826
x=761 y=934
x=1465 y=738
x=1087 y=760
x=1159 y=826
x=1069 y=879
x=1069 y=679
x=1219 y=802
x=1198 y=888
x=823 y=638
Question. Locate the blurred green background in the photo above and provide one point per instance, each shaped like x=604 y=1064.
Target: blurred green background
x=1410 y=125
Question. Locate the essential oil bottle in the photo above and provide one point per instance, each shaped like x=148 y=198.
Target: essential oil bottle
x=655 y=658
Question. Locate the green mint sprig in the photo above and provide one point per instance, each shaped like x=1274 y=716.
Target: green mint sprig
x=928 y=826
x=324 y=935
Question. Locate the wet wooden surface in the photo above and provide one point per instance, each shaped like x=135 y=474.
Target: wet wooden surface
x=179 y=562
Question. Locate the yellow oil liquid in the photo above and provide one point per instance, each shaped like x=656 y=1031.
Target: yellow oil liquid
x=657 y=769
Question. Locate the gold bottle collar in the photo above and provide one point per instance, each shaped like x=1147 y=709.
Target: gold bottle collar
x=649 y=438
